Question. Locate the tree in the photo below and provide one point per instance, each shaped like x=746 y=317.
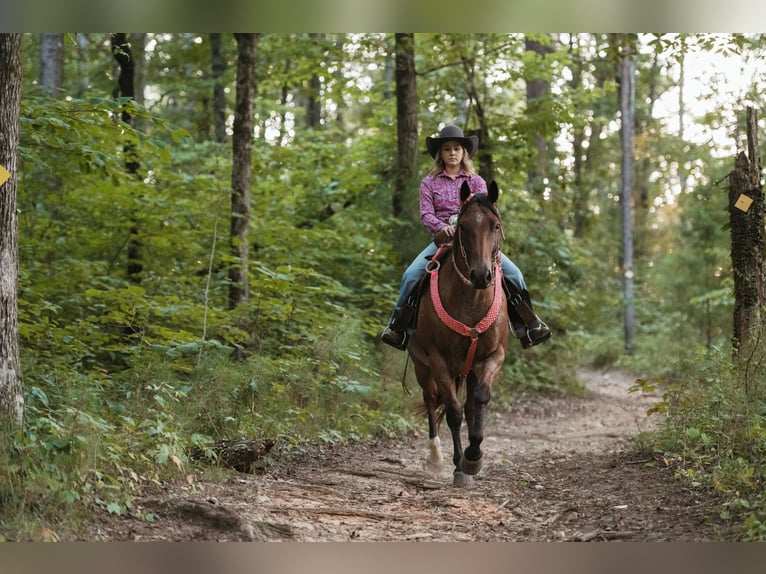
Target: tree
x=218 y=66
x=11 y=392
x=52 y=63
x=627 y=106
x=313 y=91
x=126 y=89
x=241 y=169
x=748 y=247
x=406 y=120
x=538 y=100
x=474 y=89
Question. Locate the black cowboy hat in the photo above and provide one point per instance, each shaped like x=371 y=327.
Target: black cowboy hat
x=450 y=134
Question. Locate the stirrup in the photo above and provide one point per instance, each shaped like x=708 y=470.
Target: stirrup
x=534 y=336
x=391 y=337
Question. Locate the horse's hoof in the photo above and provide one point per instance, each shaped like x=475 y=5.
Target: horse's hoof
x=470 y=466
x=461 y=479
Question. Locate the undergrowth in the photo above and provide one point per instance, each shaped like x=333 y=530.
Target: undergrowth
x=90 y=441
x=714 y=432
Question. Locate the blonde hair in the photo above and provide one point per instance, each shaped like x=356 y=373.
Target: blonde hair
x=466 y=164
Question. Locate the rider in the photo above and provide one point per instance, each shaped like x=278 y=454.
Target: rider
x=439 y=205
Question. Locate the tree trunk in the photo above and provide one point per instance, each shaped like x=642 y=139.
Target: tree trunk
x=51 y=79
x=627 y=106
x=218 y=67
x=314 y=100
x=748 y=248
x=126 y=89
x=242 y=145
x=52 y=64
x=83 y=64
x=406 y=121
x=11 y=390
x=484 y=156
x=138 y=48
x=585 y=157
x=538 y=96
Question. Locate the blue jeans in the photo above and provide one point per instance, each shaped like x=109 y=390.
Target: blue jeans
x=417 y=269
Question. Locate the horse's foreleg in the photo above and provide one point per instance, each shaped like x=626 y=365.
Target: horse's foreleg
x=477 y=399
x=476 y=404
x=454 y=415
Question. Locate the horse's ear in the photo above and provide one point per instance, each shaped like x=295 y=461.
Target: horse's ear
x=465 y=191
x=492 y=192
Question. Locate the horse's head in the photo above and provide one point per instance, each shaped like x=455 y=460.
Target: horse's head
x=478 y=234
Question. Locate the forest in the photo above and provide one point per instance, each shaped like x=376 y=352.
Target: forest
x=211 y=231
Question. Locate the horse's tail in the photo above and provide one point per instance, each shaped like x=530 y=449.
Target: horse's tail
x=420 y=409
x=440 y=410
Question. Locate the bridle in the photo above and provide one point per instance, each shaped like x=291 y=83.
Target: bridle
x=460 y=241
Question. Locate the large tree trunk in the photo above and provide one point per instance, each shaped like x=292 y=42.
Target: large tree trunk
x=52 y=64
x=748 y=248
x=126 y=89
x=406 y=121
x=242 y=146
x=11 y=391
x=627 y=106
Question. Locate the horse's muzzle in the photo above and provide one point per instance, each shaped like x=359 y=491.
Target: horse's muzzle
x=480 y=279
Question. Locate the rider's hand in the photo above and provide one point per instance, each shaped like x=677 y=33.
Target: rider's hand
x=444 y=235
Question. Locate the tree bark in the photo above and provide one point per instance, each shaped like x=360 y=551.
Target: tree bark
x=406 y=121
x=484 y=155
x=314 y=100
x=538 y=96
x=585 y=157
x=242 y=145
x=126 y=89
x=52 y=64
x=11 y=390
x=627 y=105
x=748 y=248
x=218 y=67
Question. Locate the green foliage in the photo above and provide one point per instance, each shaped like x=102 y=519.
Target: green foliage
x=123 y=378
x=713 y=428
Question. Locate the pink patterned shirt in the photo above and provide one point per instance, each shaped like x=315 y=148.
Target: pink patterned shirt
x=440 y=197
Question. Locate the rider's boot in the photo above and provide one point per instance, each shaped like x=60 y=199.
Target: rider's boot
x=526 y=326
x=396 y=332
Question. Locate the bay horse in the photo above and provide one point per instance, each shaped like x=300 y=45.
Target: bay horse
x=462 y=331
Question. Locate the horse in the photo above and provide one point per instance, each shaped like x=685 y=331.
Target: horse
x=461 y=332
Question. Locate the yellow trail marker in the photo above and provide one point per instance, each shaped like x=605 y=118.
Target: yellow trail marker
x=4 y=175
x=743 y=202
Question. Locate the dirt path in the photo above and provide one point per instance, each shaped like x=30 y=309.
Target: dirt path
x=556 y=469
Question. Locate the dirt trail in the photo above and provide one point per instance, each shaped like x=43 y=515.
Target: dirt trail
x=555 y=469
